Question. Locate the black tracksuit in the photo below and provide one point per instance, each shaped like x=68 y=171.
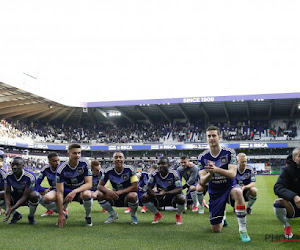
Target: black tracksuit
x=288 y=183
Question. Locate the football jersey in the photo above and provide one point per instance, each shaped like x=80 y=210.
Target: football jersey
x=73 y=177
x=246 y=177
x=119 y=181
x=27 y=180
x=96 y=179
x=167 y=183
x=2 y=178
x=143 y=182
x=51 y=177
x=218 y=183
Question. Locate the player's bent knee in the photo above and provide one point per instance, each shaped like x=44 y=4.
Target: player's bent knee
x=34 y=196
x=237 y=194
x=86 y=194
x=216 y=228
x=145 y=198
x=51 y=196
x=132 y=197
x=253 y=191
x=199 y=188
x=180 y=199
x=280 y=202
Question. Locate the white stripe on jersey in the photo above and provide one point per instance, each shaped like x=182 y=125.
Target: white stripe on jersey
x=131 y=168
x=203 y=153
x=174 y=172
x=86 y=161
x=108 y=169
x=45 y=167
x=155 y=172
x=249 y=167
x=29 y=175
x=231 y=150
x=61 y=167
x=3 y=174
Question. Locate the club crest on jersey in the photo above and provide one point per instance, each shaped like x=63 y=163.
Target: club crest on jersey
x=223 y=160
x=169 y=181
x=125 y=177
x=23 y=184
x=80 y=171
x=247 y=175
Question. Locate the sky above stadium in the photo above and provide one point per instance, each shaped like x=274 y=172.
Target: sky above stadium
x=97 y=51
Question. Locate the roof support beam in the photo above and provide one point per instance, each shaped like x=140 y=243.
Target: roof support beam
x=68 y=115
x=226 y=111
x=201 y=106
x=80 y=116
x=143 y=114
x=293 y=109
x=22 y=107
x=47 y=112
x=164 y=113
x=248 y=110
x=125 y=115
x=32 y=113
x=2 y=91
x=10 y=97
x=57 y=114
x=183 y=112
x=20 y=112
x=15 y=103
x=270 y=110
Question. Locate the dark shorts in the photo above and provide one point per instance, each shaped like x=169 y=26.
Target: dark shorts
x=120 y=202
x=168 y=200
x=246 y=195
x=140 y=194
x=217 y=206
x=76 y=198
x=296 y=212
x=15 y=196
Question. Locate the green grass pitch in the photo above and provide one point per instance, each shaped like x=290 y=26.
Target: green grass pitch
x=193 y=234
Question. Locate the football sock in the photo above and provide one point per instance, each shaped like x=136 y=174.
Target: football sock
x=50 y=206
x=134 y=207
x=280 y=212
x=32 y=207
x=251 y=201
x=241 y=217
x=107 y=206
x=88 y=204
x=194 y=196
x=200 y=198
x=150 y=206
x=180 y=208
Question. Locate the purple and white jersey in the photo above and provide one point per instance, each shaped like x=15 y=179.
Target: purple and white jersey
x=51 y=178
x=73 y=177
x=246 y=177
x=27 y=180
x=119 y=181
x=143 y=182
x=2 y=178
x=218 y=184
x=171 y=181
x=96 y=179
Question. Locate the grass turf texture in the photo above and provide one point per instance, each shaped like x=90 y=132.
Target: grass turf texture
x=193 y=234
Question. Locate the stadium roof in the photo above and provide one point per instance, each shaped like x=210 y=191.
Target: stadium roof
x=17 y=104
